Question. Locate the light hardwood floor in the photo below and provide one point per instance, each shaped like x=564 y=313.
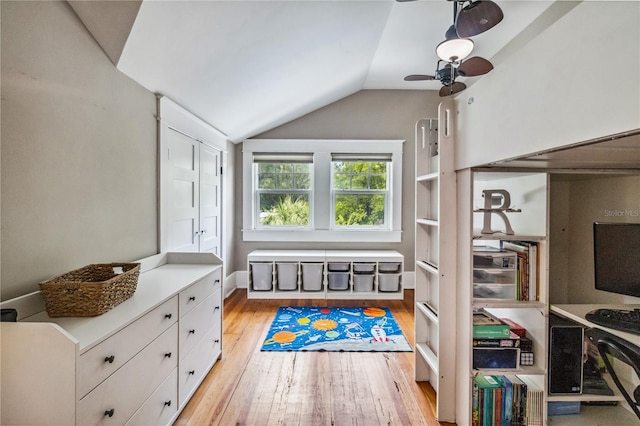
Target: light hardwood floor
x=250 y=387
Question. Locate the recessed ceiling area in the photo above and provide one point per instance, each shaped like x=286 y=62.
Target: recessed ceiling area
x=246 y=67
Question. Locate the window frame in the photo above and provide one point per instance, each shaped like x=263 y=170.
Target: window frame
x=282 y=157
x=385 y=192
x=322 y=212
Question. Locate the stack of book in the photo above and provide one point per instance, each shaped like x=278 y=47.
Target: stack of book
x=495 y=346
x=507 y=399
x=528 y=283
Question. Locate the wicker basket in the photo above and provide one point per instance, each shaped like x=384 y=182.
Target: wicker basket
x=91 y=290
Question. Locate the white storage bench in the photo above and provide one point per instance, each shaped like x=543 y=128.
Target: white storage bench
x=325 y=274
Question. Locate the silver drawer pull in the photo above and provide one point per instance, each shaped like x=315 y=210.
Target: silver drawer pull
x=109 y=413
x=109 y=359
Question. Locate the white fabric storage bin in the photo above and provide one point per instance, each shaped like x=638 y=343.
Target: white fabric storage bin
x=312 y=276
x=362 y=282
x=261 y=276
x=287 y=275
x=338 y=280
x=388 y=282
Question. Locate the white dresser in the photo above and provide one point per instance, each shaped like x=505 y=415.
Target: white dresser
x=137 y=364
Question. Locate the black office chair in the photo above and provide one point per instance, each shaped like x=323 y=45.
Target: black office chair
x=610 y=345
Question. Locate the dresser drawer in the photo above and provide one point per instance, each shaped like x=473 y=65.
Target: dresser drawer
x=196 y=364
x=191 y=296
x=161 y=406
x=116 y=399
x=101 y=361
x=198 y=322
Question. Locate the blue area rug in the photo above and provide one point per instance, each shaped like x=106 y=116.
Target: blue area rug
x=350 y=329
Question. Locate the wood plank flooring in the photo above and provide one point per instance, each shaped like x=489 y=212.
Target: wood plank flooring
x=250 y=387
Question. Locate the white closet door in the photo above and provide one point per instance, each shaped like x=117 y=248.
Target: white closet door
x=183 y=193
x=210 y=219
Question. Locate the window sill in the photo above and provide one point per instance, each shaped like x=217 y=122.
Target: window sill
x=356 y=236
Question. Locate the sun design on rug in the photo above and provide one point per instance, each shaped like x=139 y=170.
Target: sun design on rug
x=324 y=324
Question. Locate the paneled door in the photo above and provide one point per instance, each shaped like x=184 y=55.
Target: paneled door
x=210 y=199
x=194 y=195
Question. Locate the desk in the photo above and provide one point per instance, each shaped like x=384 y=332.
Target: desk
x=576 y=312
x=595 y=415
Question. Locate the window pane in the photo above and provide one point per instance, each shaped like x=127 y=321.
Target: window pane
x=360 y=182
x=302 y=181
x=266 y=168
x=342 y=181
x=284 y=181
x=378 y=182
x=266 y=181
x=284 y=210
x=360 y=209
x=341 y=167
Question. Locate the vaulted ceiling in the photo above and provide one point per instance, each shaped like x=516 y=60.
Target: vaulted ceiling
x=246 y=67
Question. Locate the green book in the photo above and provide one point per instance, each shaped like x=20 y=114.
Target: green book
x=486 y=325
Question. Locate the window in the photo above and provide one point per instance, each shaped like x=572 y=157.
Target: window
x=283 y=190
x=360 y=190
x=322 y=190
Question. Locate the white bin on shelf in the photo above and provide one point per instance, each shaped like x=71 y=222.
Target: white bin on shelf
x=362 y=282
x=312 y=276
x=287 y=275
x=389 y=267
x=261 y=276
x=338 y=280
x=366 y=268
x=388 y=282
x=338 y=266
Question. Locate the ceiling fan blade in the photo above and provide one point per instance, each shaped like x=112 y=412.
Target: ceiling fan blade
x=474 y=66
x=477 y=17
x=419 y=77
x=452 y=89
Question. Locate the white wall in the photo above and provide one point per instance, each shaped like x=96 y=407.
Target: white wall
x=368 y=114
x=576 y=202
x=578 y=80
x=78 y=151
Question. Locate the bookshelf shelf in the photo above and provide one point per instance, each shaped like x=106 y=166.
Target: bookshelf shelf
x=500 y=277
x=435 y=283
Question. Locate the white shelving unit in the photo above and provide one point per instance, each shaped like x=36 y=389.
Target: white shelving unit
x=529 y=197
x=435 y=233
x=325 y=274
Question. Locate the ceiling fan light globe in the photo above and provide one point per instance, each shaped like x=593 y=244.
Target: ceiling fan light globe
x=455 y=49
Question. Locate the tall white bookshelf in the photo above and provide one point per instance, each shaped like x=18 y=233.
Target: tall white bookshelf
x=435 y=233
x=529 y=192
